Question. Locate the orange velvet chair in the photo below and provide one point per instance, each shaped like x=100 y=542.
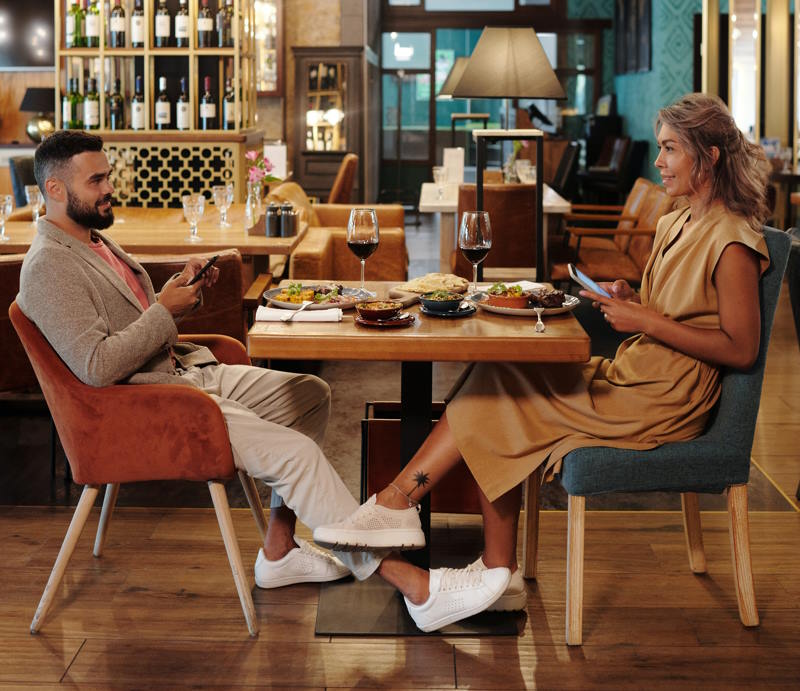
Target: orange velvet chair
x=138 y=433
x=342 y=186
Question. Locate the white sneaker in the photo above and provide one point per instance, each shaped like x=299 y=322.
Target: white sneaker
x=303 y=564
x=515 y=597
x=456 y=594
x=373 y=527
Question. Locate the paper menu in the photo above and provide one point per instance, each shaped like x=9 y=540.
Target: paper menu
x=453 y=162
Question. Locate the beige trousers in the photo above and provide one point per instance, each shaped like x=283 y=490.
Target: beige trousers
x=276 y=422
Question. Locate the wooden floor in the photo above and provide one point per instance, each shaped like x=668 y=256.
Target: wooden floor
x=160 y=608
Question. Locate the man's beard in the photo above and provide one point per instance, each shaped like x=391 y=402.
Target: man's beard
x=89 y=216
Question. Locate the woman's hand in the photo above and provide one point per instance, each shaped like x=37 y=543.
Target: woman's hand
x=622 y=314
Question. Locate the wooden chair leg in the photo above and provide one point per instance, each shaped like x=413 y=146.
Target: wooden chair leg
x=693 y=532
x=254 y=500
x=109 y=502
x=740 y=551
x=74 y=531
x=530 y=530
x=220 y=500
x=575 y=527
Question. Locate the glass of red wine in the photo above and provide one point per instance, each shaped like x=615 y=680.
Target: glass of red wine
x=362 y=239
x=475 y=241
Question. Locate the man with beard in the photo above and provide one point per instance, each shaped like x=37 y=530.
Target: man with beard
x=97 y=308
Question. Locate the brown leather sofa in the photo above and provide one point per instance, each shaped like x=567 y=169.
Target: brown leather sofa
x=323 y=252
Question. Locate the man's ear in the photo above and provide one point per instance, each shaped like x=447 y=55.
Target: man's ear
x=714 y=155
x=55 y=190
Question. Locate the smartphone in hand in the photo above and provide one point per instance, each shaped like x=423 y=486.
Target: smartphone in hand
x=581 y=278
x=202 y=271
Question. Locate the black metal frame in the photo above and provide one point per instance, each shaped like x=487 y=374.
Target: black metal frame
x=542 y=271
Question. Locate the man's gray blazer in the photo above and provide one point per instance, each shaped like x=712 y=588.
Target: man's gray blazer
x=93 y=319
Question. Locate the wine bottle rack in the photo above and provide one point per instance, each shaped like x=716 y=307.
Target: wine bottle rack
x=236 y=63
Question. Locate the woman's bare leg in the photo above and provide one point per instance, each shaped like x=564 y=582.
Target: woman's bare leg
x=437 y=455
x=500 y=521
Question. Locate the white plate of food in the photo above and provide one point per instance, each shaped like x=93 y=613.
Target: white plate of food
x=323 y=296
x=493 y=299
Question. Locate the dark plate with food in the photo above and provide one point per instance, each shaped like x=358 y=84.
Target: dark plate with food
x=378 y=310
x=441 y=300
x=466 y=310
x=401 y=320
x=322 y=296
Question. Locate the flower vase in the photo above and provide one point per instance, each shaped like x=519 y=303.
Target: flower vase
x=253 y=203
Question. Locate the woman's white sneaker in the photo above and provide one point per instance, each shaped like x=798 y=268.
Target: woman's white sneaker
x=373 y=527
x=456 y=594
x=514 y=599
x=303 y=564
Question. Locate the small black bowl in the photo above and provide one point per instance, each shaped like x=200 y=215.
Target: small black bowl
x=441 y=301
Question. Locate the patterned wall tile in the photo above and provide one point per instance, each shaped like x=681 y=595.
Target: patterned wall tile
x=590 y=9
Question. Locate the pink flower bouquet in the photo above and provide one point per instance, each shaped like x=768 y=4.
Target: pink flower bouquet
x=260 y=169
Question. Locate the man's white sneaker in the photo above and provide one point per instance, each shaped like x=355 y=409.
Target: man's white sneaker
x=303 y=564
x=456 y=594
x=515 y=597
x=373 y=527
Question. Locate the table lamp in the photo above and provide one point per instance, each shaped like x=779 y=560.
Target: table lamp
x=453 y=77
x=509 y=62
x=39 y=100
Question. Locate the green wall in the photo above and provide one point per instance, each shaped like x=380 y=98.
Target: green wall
x=639 y=96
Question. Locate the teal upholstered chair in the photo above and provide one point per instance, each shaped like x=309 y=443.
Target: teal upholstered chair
x=718 y=460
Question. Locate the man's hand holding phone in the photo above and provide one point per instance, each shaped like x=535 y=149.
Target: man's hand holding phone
x=197 y=270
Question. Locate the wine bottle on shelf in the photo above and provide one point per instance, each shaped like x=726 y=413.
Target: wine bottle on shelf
x=332 y=77
x=205 y=25
x=182 y=26
x=223 y=20
x=92 y=22
x=208 y=107
x=116 y=108
x=312 y=78
x=163 y=106
x=162 y=26
x=182 y=112
x=137 y=25
x=137 y=106
x=73 y=38
x=117 y=26
x=75 y=121
x=231 y=21
x=66 y=106
x=91 y=106
x=229 y=118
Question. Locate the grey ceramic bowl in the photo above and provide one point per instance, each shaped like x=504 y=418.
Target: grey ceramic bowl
x=441 y=301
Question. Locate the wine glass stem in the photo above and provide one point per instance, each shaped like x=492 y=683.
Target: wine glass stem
x=474 y=279
x=194 y=229
x=363 y=262
x=223 y=216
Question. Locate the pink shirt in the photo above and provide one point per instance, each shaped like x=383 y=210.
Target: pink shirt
x=125 y=272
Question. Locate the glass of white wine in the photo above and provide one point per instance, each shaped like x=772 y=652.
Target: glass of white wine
x=193 y=207
x=6 y=207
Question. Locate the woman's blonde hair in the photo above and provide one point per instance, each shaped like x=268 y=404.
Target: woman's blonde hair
x=739 y=176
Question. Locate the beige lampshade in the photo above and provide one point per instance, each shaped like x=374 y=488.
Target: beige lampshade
x=508 y=62
x=453 y=77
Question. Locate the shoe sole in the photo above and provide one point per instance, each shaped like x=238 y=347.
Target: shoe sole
x=293 y=580
x=452 y=619
x=355 y=541
x=509 y=603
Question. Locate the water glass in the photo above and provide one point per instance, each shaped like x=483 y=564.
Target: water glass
x=362 y=239
x=193 y=207
x=223 y=198
x=439 y=174
x=6 y=207
x=33 y=195
x=525 y=173
x=475 y=241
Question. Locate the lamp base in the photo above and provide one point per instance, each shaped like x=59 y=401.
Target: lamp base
x=40 y=126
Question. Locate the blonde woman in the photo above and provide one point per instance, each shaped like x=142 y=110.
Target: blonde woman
x=697 y=311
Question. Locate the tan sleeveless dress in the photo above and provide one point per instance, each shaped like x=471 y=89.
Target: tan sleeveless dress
x=509 y=418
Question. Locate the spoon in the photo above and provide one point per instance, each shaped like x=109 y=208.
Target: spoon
x=291 y=315
x=539 y=323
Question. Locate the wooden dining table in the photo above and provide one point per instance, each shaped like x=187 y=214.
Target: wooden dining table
x=482 y=337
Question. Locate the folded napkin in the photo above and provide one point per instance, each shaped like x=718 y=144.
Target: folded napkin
x=273 y=314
